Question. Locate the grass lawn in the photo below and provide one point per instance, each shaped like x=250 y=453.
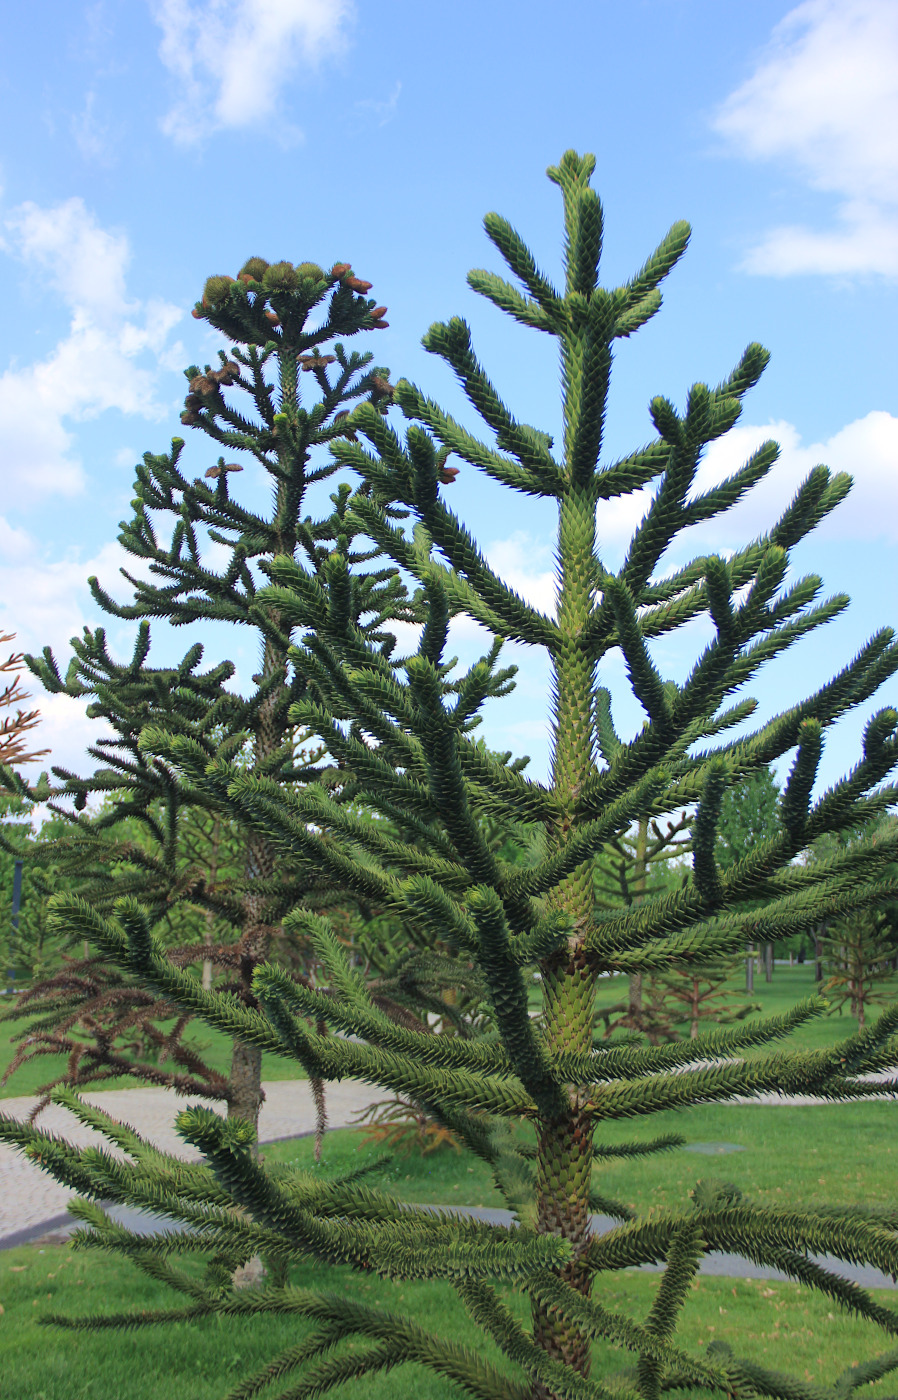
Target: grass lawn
x=776 y=1324
x=789 y=985
x=215 y=1048
x=836 y=1154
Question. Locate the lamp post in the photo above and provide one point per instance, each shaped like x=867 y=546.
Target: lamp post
x=16 y=906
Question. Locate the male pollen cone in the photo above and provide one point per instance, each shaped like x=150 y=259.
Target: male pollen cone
x=339 y=268
x=448 y=475
x=378 y=312
x=358 y=285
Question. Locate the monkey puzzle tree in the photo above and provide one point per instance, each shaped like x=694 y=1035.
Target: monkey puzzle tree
x=280 y=397
x=533 y=1100
x=639 y=863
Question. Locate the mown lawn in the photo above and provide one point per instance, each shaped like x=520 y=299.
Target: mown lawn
x=777 y=1324
x=789 y=986
x=837 y=1154
x=214 y=1047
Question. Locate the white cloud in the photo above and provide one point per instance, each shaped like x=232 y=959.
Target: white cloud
x=231 y=59
x=92 y=369
x=521 y=561
x=824 y=97
x=45 y=603
x=866 y=448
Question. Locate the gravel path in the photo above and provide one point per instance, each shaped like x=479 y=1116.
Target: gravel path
x=31 y=1201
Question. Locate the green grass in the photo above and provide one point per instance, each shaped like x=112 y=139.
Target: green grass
x=790 y=984
x=215 y=1048
x=773 y=1323
x=837 y=1154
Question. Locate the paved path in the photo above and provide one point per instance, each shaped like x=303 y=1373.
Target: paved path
x=32 y=1203
x=30 y=1200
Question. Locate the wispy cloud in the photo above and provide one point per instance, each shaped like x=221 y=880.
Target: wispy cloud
x=379 y=111
x=92 y=136
x=232 y=59
x=824 y=98
x=95 y=367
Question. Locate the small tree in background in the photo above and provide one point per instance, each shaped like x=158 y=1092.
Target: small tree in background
x=680 y=1000
x=282 y=393
x=860 y=953
x=532 y=1099
x=642 y=862
x=748 y=817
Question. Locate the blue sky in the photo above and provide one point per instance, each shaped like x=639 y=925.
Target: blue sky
x=144 y=146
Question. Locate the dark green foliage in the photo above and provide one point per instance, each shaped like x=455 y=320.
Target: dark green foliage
x=208 y=880
x=529 y=1093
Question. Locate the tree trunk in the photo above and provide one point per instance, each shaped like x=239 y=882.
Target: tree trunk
x=750 y=969
x=634 y=1001
x=246 y=1083
x=818 y=958
x=564 y=1139
x=768 y=962
x=246 y=1063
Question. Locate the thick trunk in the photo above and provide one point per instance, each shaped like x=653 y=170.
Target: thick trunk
x=564 y=1143
x=564 y=1166
x=564 y=1179
x=246 y=1062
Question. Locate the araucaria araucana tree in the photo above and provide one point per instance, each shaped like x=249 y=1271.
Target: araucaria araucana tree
x=276 y=400
x=535 y=1099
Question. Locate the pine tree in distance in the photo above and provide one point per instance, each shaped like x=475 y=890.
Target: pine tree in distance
x=535 y=1100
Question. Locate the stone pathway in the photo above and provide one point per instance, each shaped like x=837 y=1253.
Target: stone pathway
x=31 y=1202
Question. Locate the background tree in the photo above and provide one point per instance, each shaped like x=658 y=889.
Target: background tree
x=748 y=816
x=858 y=951
x=21 y=943
x=644 y=861
x=533 y=1099
x=256 y=403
